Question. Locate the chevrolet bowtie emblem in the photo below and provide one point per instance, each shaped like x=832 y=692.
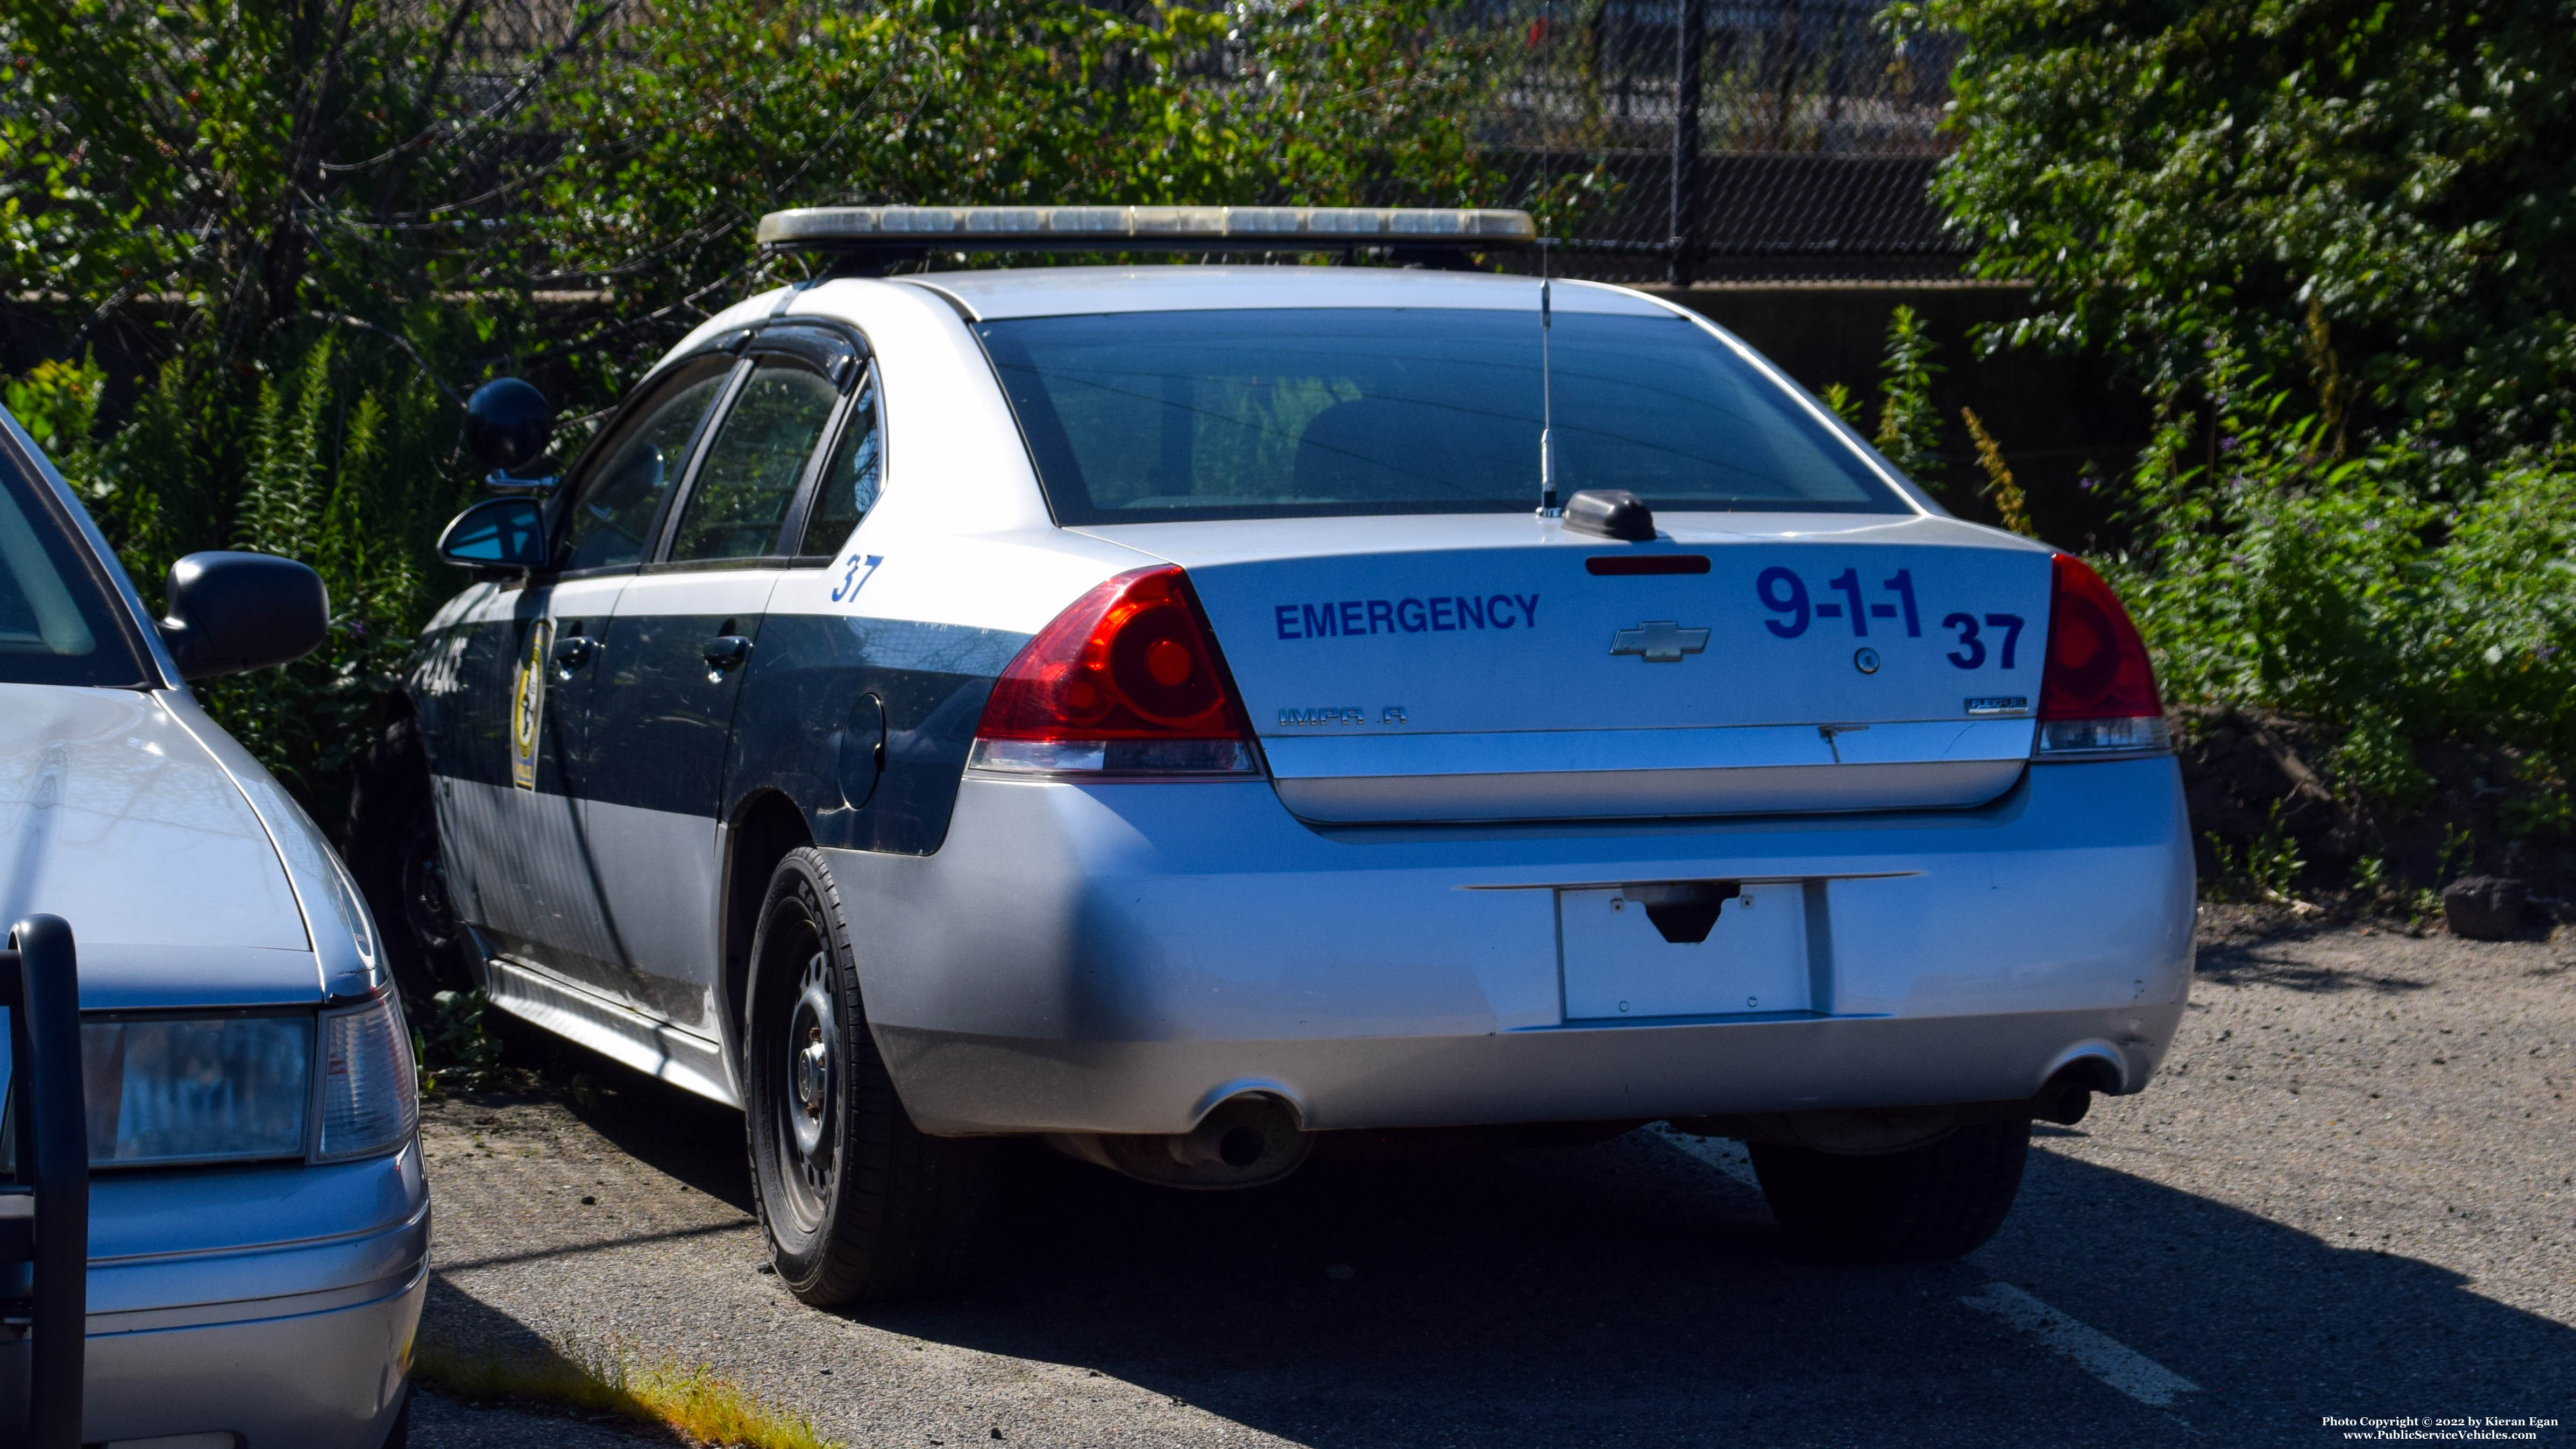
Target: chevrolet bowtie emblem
x=1659 y=641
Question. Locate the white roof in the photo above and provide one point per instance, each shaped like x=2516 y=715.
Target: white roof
x=1072 y=291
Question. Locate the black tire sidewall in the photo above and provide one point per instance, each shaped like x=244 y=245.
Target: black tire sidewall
x=1929 y=1204
x=390 y=805
x=800 y=899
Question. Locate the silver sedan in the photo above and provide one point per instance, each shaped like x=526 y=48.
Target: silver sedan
x=259 y=1223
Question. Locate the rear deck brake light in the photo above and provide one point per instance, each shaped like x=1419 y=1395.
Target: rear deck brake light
x=1126 y=680
x=2098 y=694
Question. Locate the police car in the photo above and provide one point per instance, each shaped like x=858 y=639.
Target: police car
x=1165 y=710
x=257 y=1222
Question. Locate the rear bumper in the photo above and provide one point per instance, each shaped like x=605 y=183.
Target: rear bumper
x=275 y=1304
x=1119 y=958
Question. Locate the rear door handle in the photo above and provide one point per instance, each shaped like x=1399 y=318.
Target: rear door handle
x=572 y=652
x=725 y=651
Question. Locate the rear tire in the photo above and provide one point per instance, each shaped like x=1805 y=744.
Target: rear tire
x=393 y=851
x=858 y=1203
x=1922 y=1205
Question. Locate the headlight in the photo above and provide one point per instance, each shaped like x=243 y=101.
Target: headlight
x=370 y=1089
x=196 y=1089
x=170 y=1090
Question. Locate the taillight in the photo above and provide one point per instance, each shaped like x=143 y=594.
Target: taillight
x=2098 y=693
x=1126 y=681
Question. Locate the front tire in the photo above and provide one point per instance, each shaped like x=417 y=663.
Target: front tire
x=1922 y=1205
x=859 y=1205
x=393 y=851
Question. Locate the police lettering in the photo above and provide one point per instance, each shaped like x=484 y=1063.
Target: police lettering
x=1448 y=613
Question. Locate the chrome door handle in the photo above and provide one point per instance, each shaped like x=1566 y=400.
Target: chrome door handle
x=725 y=651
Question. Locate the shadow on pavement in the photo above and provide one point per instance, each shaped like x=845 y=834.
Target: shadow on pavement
x=2249 y=963
x=671 y=1131
x=1627 y=1293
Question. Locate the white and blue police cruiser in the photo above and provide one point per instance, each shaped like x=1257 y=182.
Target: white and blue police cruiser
x=1142 y=707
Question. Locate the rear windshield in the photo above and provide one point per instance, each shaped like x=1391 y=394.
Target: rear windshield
x=56 y=622
x=1143 y=417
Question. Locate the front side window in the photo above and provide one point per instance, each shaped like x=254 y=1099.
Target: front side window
x=1145 y=417
x=57 y=625
x=759 y=454
x=611 y=518
x=849 y=486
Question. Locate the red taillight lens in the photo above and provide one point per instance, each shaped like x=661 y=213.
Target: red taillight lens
x=1126 y=679
x=2098 y=692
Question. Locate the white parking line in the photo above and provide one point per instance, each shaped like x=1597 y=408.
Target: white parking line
x=2096 y=1352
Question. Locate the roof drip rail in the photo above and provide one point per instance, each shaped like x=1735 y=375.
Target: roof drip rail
x=879 y=238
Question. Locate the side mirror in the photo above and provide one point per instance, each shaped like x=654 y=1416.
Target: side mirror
x=235 y=611
x=507 y=426
x=497 y=533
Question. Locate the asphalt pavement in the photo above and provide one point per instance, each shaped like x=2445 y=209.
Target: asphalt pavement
x=2352 y=1195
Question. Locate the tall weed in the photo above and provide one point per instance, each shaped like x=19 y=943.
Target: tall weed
x=2400 y=601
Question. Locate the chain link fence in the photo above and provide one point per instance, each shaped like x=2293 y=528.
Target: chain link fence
x=1697 y=139
x=1665 y=140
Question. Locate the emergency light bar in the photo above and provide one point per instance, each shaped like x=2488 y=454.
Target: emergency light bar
x=915 y=229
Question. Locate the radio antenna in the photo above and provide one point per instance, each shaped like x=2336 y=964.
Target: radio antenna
x=1546 y=394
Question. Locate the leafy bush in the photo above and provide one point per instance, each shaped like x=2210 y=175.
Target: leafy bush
x=2374 y=200
x=1909 y=426
x=2411 y=613
x=2332 y=242
x=303 y=229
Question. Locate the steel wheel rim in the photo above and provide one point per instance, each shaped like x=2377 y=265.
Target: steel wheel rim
x=808 y=1097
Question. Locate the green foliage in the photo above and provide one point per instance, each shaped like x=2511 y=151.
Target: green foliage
x=729 y=110
x=2457 y=852
x=2375 y=200
x=323 y=487
x=2001 y=489
x=457 y=1047
x=1840 y=399
x=2333 y=238
x=1909 y=426
x=2378 y=760
x=312 y=220
x=2267 y=867
x=57 y=403
x=2397 y=597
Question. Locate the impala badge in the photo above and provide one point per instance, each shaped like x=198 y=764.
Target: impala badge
x=1659 y=641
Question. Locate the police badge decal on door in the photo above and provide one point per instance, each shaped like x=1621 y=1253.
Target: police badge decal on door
x=528 y=705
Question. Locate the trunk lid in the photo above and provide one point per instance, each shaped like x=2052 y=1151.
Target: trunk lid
x=1496 y=667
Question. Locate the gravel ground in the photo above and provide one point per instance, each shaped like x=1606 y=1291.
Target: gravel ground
x=2352 y=1193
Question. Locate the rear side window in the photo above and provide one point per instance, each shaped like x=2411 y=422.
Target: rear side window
x=1145 y=417
x=849 y=486
x=740 y=498
x=612 y=514
x=57 y=623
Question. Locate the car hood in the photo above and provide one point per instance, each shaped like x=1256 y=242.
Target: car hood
x=121 y=813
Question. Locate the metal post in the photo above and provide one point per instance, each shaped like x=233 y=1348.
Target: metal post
x=40 y=982
x=1686 y=96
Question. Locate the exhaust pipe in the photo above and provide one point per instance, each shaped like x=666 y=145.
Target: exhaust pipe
x=1244 y=1141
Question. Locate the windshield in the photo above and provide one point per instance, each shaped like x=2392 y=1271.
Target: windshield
x=55 y=621
x=1152 y=416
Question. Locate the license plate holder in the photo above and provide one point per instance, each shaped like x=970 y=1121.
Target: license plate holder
x=1616 y=965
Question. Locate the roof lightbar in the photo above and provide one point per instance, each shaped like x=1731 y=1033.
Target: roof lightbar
x=1139 y=228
